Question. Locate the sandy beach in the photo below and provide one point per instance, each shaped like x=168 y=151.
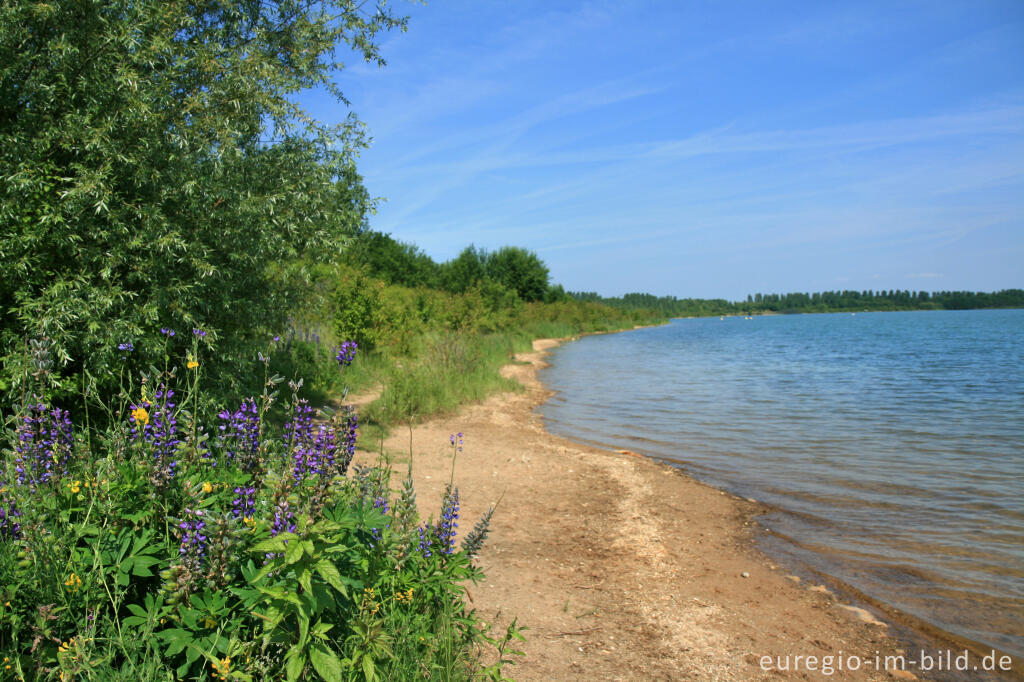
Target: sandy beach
x=623 y=568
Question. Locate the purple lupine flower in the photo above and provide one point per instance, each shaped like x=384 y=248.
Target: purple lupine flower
x=126 y=347
x=317 y=457
x=198 y=332
x=240 y=434
x=299 y=441
x=244 y=504
x=10 y=529
x=167 y=331
x=44 y=440
x=446 y=527
x=456 y=440
x=159 y=428
x=193 y=539
x=283 y=519
x=347 y=353
x=426 y=535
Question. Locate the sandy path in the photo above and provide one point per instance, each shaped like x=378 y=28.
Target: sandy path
x=622 y=568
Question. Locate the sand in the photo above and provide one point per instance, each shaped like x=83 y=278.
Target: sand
x=623 y=568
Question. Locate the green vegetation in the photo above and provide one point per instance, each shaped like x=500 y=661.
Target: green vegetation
x=150 y=550
x=173 y=228
x=436 y=334
x=823 y=302
x=157 y=173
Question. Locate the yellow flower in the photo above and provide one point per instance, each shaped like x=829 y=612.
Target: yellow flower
x=73 y=581
x=221 y=668
x=191 y=364
x=209 y=622
x=207 y=488
x=74 y=485
x=141 y=416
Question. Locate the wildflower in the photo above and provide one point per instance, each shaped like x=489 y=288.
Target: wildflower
x=240 y=434
x=445 y=531
x=160 y=431
x=283 y=518
x=9 y=526
x=167 y=332
x=44 y=440
x=140 y=415
x=244 y=503
x=207 y=487
x=199 y=332
x=209 y=623
x=221 y=668
x=75 y=486
x=192 y=362
x=74 y=582
x=456 y=440
x=193 y=539
x=126 y=347
x=347 y=353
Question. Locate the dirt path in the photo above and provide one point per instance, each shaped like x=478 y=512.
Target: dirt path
x=622 y=568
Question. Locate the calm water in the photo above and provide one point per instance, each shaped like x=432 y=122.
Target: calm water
x=892 y=444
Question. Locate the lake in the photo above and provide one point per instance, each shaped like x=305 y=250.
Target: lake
x=891 y=445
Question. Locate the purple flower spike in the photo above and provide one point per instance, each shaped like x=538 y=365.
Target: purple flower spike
x=166 y=331
x=44 y=441
x=198 y=332
x=347 y=353
x=126 y=347
x=240 y=434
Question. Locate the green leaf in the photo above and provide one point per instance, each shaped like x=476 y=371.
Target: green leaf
x=326 y=663
x=293 y=553
x=368 y=668
x=329 y=572
x=294 y=667
x=142 y=564
x=275 y=544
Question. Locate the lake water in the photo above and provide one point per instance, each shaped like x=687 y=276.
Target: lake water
x=891 y=444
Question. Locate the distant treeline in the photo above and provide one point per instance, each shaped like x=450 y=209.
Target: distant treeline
x=820 y=302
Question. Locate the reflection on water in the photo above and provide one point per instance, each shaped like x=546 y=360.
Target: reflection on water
x=892 y=443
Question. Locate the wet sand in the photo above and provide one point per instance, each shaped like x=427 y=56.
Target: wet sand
x=623 y=568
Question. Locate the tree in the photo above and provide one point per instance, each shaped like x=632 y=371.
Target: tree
x=156 y=170
x=519 y=270
x=465 y=270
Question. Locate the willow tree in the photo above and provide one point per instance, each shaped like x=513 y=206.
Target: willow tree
x=157 y=171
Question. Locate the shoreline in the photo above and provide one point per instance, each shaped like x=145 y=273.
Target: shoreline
x=623 y=567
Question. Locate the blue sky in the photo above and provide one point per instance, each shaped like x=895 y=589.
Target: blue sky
x=707 y=149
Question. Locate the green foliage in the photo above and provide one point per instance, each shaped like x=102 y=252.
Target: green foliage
x=519 y=270
x=465 y=270
x=145 y=550
x=157 y=172
x=392 y=261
